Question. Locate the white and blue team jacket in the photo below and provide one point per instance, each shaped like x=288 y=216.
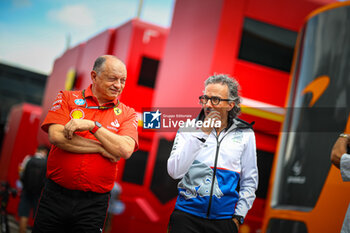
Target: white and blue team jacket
x=211 y=167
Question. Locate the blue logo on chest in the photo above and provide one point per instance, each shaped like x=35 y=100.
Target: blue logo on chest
x=79 y=102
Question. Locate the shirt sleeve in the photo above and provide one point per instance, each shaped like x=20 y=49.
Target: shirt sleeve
x=345 y=167
x=129 y=127
x=185 y=149
x=23 y=165
x=58 y=113
x=249 y=177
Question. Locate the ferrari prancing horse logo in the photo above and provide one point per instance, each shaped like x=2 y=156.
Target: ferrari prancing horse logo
x=117 y=111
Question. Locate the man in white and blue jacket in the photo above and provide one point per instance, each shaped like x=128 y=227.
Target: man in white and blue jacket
x=211 y=162
x=341 y=159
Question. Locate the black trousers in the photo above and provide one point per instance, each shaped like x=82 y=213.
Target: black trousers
x=64 y=210
x=181 y=222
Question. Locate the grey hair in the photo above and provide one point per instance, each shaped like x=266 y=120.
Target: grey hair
x=233 y=91
x=99 y=62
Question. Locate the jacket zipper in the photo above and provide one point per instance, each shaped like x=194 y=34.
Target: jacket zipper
x=214 y=175
x=214 y=172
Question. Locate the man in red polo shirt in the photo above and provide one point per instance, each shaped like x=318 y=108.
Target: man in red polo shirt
x=90 y=131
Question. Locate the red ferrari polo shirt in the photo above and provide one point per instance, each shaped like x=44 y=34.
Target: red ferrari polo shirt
x=87 y=172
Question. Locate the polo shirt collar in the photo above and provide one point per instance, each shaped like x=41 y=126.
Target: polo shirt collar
x=88 y=93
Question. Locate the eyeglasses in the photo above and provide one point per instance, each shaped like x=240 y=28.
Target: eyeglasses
x=203 y=99
x=98 y=107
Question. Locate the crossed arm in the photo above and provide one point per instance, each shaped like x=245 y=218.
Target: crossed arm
x=110 y=145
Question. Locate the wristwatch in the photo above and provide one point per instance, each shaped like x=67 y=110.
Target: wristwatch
x=97 y=126
x=343 y=135
x=239 y=218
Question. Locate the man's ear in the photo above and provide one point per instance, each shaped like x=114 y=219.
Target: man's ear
x=231 y=105
x=93 y=75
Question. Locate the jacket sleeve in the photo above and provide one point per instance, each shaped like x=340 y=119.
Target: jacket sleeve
x=249 y=177
x=345 y=167
x=185 y=150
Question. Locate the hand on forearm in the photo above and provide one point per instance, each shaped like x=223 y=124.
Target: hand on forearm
x=75 y=125
x=75 y=145
x=116 y=145
x=78 y=144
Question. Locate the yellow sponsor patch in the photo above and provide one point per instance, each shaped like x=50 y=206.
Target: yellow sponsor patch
x=77 y=114
x=117 y=111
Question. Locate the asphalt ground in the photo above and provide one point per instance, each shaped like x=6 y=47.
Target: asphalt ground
x=13 y=224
